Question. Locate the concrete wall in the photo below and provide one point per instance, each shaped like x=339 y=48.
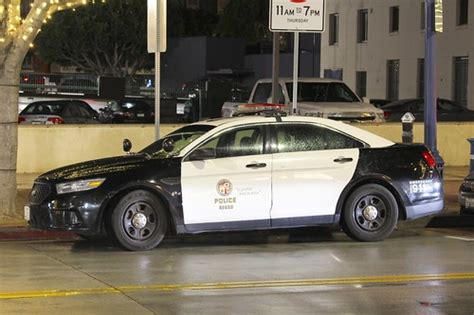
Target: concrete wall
x=407 y=45
x=43 y=148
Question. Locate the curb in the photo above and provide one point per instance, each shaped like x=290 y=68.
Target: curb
x=27 y=233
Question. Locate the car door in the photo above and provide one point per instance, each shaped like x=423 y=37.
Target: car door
x=232 y=189
x=312 y=166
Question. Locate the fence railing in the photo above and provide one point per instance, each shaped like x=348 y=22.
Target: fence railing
x=86 y=84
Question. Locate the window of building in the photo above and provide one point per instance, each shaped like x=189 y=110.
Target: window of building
x=337 y=74
x=422 y=16
x=393 y=76
x=394 y=19
x=421 y=78
x=361 y=83
x=333 y=28
x=461 y=77
x=362 y=26
x=462 y=12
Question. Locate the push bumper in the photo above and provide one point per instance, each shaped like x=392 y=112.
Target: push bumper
x=73 y=215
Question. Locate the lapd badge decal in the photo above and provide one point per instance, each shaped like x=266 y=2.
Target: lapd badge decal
x=224 y=189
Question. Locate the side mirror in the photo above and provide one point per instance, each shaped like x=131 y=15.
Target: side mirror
x=127 y=145
x=202 y=154
x=168 y=145
x=366 y=100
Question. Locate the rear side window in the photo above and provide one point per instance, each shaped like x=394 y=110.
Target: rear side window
x=262 y=92
x=300 y=138
x=43 y=109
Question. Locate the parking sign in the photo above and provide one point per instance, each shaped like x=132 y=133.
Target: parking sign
x=297 y=16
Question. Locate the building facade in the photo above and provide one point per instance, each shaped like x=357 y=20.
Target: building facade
x=377 y=47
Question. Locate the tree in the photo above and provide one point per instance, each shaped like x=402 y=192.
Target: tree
x=16 y=37
x=246 y=19
x=108 y=38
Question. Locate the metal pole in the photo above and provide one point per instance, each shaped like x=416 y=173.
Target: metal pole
x=296 y=53
x=157 y=95
x=157 y=71
x=430 y=81
x=276 y=66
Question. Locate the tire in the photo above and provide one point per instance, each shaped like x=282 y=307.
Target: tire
x=139 y=221
x=370 y=213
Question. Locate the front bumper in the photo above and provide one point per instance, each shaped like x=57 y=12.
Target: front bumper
x=78 y=213
x=466 y=202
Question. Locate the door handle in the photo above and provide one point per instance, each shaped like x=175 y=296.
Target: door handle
x=256 y=165
x=342 y=160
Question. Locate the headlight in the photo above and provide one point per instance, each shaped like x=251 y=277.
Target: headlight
x=80 y=185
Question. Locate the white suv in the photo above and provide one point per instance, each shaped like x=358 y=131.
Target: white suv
x=319 y=97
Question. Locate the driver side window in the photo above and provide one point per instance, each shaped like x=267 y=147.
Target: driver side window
x=237 y=142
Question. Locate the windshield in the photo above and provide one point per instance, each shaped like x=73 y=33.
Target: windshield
x=322 y=92
x=181 y=138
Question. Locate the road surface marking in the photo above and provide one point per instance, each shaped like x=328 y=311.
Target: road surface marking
x=467 y=239
x=238 y=285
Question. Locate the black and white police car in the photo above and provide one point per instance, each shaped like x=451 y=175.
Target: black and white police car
x=243 y=173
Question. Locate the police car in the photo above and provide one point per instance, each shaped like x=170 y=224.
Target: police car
x=243 y=173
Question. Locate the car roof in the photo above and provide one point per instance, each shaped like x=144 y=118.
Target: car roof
x=55 y=102
x=365 y=136
x=303 y=79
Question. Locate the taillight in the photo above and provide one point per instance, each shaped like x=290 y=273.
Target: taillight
x=386 y=115
x=21 y=119
x=56 y=120
x=429 y=159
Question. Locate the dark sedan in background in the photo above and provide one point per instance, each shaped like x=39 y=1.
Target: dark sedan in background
x=446 y=109
x=127 y=111
x=58 y=112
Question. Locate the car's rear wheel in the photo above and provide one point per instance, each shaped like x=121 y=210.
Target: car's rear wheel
x=370 y=213
x=139 y=221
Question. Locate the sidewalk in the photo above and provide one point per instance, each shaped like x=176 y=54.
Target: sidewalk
x=16 y=228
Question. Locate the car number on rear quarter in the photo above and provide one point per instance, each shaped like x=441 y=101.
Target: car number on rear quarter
x=421 y=186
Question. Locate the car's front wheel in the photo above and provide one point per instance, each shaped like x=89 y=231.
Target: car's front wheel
x=370 y=213
x=139 y=221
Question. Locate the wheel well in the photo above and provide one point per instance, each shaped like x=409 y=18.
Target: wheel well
x=116 y=199
x=381 y=182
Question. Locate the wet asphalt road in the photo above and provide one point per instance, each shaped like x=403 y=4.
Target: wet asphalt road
x=313 y=271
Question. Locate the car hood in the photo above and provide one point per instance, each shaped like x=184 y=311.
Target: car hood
x=96 y=168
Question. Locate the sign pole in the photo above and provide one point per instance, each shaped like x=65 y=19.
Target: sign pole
x=276 y=67
x=296 y=54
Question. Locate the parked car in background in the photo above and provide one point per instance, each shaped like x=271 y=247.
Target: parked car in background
x=446 y=110
x=127 y=111
x=327 y=98
x=24 y=101
x=466 y=195
x=379 y=103
x=58 y=112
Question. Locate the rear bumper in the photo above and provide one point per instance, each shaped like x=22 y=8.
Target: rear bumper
x=424 y=209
